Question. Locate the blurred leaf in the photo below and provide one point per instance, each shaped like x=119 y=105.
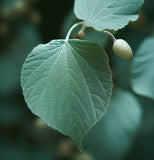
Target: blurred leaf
x=148 y=116
x=13 y=57
x=121 y=71
x=102 y=14
x=144 y=144
x=112 y=137
x=68 y=85
x=142 y=69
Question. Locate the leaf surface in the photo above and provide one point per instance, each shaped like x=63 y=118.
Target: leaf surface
x=107 y=14
x=143 y=69
x=68 y=84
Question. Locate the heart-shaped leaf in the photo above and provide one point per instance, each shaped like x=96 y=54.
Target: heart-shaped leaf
x=68 y=84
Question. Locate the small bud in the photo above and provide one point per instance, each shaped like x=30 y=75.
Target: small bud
x=122 y=48
x=81 y=35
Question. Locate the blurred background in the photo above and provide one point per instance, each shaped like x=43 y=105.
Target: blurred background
x=26 y=23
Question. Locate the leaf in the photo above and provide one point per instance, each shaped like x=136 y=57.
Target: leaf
x=68 y=84
x=114 y=133
x=110 y=14
x=142 y=69
x=143 y=147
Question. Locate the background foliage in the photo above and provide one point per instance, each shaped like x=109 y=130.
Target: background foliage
x=127 y=130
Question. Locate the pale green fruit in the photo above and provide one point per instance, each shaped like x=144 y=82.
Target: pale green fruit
x=122 y=49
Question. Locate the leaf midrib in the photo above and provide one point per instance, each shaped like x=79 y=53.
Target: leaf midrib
x=72 y=110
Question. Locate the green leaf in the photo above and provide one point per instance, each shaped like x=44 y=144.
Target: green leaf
x=142 y=69
x=143 y=147
x=68 y=84
x=107 y=14
x=113 y=135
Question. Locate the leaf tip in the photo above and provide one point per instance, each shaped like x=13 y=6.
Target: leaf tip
x=79 y=145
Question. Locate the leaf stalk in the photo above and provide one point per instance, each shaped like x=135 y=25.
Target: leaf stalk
x=73 y=27
x=110 y=34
